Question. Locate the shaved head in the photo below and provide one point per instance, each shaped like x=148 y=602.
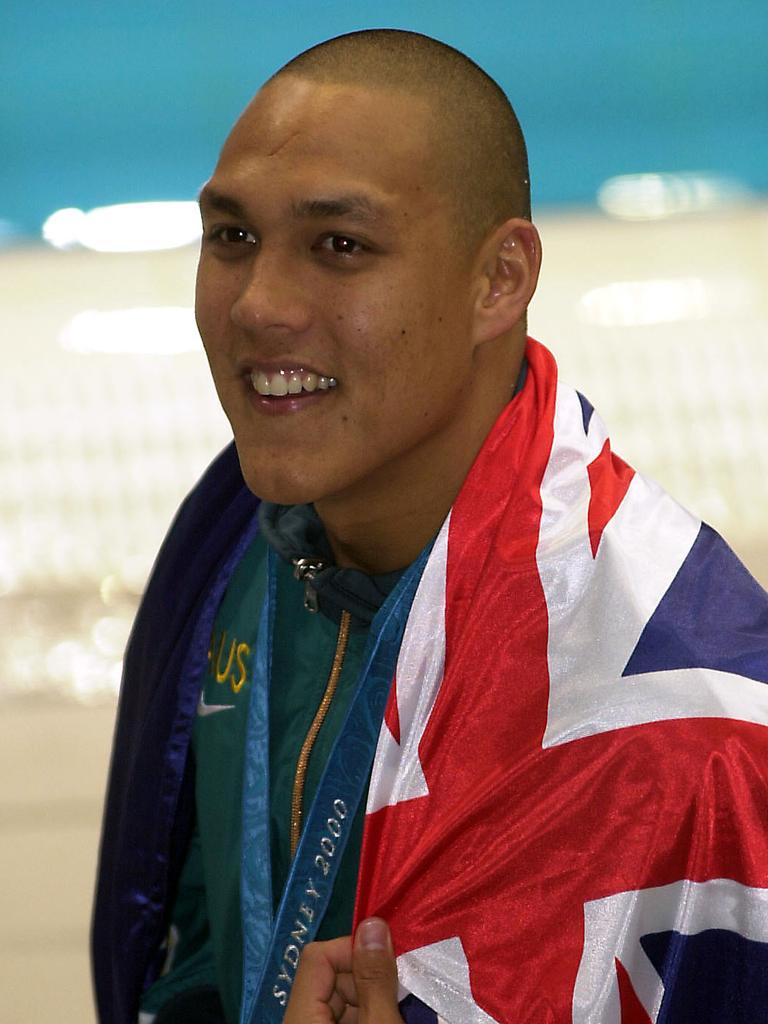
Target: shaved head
x=476 y=143
x=367 y=223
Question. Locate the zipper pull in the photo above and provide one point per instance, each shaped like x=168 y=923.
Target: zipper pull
x=306 y=569
x=310 y=597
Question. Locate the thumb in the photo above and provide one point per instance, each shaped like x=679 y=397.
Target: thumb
x=375 y=973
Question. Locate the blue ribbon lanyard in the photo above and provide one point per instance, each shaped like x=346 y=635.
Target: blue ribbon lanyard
x=271 y=950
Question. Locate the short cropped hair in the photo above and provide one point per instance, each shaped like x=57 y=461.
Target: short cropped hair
x=477 y=137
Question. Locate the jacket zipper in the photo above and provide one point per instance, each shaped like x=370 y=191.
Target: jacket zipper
x=299 y=780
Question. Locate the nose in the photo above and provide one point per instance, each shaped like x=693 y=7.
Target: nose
x=271 y=297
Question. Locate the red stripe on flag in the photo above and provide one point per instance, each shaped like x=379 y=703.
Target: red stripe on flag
x=609 y=478
x=392 y=714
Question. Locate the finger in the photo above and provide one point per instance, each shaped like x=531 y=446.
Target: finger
x=375 y=972
x=345 y=988
x=337 y=1005
x=315 y=983
x=338 y=953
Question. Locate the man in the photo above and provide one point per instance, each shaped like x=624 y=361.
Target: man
x=463 y=670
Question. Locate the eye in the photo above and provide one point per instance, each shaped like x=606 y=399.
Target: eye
x=342 y=245
x=230 y=234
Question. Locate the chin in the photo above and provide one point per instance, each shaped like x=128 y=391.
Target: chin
x=281 y=489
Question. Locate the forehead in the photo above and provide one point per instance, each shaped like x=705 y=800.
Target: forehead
x=301 y=134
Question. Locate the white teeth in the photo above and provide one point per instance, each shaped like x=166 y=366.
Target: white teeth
x=289 y=382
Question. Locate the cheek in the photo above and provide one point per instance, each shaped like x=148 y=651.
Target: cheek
x=215 y=294
x=360 y=311
x=205 y=316
x=395 y=337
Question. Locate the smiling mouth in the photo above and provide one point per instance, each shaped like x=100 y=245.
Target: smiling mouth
x=290 y=382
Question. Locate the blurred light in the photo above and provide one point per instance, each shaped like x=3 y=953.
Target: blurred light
x=24 y=664
x=143 y=330
x=125 y=227
x=668 y=300
x=82 y=673
x=110 y=635
x=62 y=659
x=110 y=589
x=635 y=303
x=62 y=229
x=655 y=196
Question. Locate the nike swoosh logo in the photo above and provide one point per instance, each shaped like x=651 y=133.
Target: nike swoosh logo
x=204 y=709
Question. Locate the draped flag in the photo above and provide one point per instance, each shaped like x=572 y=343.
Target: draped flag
x=568 y=814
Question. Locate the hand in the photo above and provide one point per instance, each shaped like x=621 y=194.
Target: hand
x=341 y=983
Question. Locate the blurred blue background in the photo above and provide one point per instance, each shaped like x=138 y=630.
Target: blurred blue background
x=117 y=102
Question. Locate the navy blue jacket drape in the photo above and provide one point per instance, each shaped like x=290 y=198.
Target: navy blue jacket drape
x=149 y=806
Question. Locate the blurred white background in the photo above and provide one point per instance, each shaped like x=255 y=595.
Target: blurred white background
x=651 y=191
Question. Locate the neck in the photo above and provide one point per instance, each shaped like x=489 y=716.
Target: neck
x=383 y=544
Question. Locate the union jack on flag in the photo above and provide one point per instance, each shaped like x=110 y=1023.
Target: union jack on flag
x=568 y=813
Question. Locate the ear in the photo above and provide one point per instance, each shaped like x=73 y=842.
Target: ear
x=508 y=271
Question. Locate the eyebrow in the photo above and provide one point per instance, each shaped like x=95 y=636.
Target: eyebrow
x=214 y=200
x=353 y=205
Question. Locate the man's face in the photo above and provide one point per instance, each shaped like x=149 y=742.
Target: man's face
x=329 y=250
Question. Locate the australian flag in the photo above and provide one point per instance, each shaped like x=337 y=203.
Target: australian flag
x=568 y=814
